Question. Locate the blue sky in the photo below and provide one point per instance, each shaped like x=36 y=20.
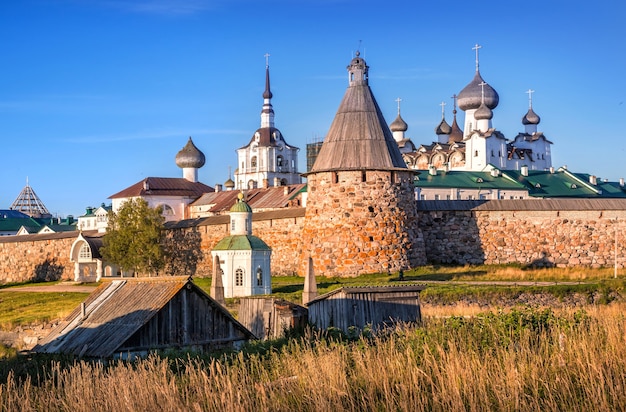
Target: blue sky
x=96 y=95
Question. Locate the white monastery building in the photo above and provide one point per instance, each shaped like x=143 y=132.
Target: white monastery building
x=267 y=160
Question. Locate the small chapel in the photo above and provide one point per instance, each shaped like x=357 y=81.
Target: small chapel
x=242 y=259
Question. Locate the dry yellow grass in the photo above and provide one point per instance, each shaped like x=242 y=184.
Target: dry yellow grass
x=564 y=362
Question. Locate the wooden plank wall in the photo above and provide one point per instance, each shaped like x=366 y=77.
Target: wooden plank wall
x=363 y=309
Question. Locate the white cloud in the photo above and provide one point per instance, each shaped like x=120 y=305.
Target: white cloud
x=165 y=7
x=151 y=135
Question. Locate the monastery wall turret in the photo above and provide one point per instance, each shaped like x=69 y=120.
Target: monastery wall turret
x=361 y=214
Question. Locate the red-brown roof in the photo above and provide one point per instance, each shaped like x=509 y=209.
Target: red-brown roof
x=258 y=199
x=164 y=186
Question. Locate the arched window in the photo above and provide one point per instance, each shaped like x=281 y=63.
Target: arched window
x=167 y=210
x=253 y=161
x=259 y=276
x=279 y=161
x=85 y=252
x=251 y=184
x=239 y=277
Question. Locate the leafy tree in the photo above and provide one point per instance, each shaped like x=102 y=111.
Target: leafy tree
x=134 y=237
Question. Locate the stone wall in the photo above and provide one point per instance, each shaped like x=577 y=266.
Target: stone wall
x=548 y=233
x=537 y=237
x=36 y=257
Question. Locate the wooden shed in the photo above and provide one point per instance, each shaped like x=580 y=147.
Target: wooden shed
x=358 y=307
x=132 y=316
x=269 y=317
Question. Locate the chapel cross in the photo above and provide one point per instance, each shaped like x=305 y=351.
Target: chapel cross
x=398 y=100
x=267 y=59
x=443 y=108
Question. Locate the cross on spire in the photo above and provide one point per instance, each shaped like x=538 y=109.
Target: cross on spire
x=443 y=108
x=454 y=102
x=530 y=98
x=398 y=100
x=267 y=59
x=476 y=48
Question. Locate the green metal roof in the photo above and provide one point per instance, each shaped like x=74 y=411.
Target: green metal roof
x=538 y=183
x=466 y=179
x=562 y=183
x=241 y=242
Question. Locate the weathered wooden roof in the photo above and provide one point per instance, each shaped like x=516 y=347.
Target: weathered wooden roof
x=352 y=290
x=113 y=312
x=359 y=138
x=523 y=204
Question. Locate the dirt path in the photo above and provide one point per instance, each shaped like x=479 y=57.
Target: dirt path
x=59 y=287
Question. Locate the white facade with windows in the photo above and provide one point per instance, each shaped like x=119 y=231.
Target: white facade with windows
x=242 y=260
x=267 y=160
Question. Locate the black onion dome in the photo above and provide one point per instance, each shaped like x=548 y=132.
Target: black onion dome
x=190 y=156
x=483 y=112
x=531 y=118
x=443 y=128
x=398 y=125
x=471 y=96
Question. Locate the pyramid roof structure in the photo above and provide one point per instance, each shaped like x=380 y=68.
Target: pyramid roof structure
x=29 y=203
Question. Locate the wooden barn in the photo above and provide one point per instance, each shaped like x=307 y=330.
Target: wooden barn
x=374 y=306
x=131 y=316
x=269 y=318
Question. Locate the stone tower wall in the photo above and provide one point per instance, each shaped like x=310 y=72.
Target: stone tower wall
x=361 y=222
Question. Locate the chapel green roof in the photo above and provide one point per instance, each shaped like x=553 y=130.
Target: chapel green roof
x=241 y=242
x=241 y=205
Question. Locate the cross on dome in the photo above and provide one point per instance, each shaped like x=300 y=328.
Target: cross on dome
x=443 y=109
x=267 y=59
x=398 y=100
x=530 y=98
x=477 y=47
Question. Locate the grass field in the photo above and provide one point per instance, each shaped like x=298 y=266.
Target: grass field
x=446 y=285
x=520 y=359
x=465 y=356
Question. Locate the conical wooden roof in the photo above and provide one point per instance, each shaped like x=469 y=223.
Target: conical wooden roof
x=359 y=138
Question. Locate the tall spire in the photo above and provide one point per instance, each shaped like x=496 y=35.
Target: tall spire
x=267 y=114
